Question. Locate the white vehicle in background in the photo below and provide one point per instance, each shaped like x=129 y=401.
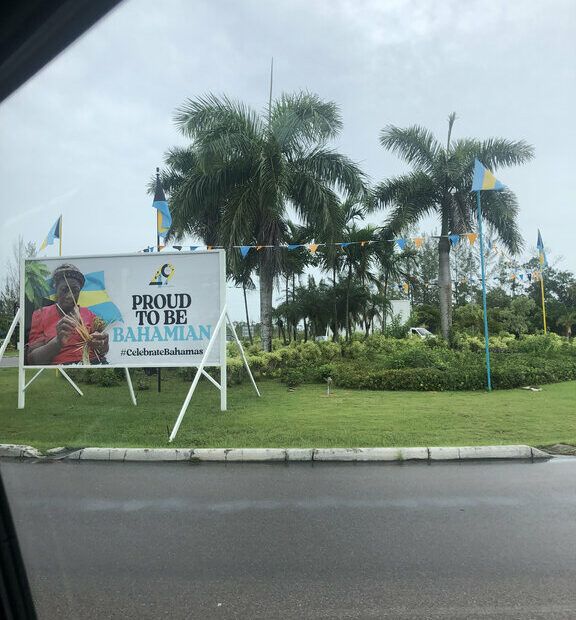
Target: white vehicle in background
x=420 y=332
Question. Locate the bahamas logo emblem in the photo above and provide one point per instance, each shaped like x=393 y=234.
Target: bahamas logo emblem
x=162 y=275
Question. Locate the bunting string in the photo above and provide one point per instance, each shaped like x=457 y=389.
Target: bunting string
x=312 y=246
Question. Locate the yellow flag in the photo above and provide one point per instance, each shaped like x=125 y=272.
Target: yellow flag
x=472 y=238
x=312 y=247
x=418 y=241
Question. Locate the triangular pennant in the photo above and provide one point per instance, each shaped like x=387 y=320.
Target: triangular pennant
x=472 y=238
x=259 y=247
x=345 y=245
x=312 y=247
x=193 y=247
x=177 y=247
x=401 y=243
x=418 y=241
x=209 y=247
x=293 y=246
x=541 y=253
x=484 y=179
x=405 y=287
x=454 y=239
x=244 y=249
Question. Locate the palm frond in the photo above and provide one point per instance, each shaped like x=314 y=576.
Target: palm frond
x=415 y=145
x=411 y=197
x=500 y=211
x=332 y=168
x=303 y=118
x=210 y=116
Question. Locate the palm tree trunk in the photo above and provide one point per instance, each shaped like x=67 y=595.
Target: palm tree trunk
x=445 y=283
x=385 y=305
x=246 y=309
x=266 y=289
x=334 y=308
x=293 y=305
x=348 y=302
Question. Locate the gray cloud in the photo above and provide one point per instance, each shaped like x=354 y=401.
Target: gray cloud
x=99 y=118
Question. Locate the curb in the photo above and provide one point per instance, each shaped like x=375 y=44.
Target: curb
x=252 y=455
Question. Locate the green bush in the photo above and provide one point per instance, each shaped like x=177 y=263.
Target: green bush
x=508 y=371
x=292 y=377
x=108 y=377
x=143 y=384
x=381 y=363
x=539 y=344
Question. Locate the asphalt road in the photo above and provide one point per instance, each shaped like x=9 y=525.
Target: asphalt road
x=492 y=540
x=9 y=362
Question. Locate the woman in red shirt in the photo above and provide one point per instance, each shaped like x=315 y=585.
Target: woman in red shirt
x=53 y=338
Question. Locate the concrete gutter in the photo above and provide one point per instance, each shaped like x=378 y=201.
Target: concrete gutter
x=249 y=455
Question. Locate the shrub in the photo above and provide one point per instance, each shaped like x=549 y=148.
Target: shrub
x=234 y=370
x=540 y=344
x=108 y=377
x=507 y=372
x=293 y=377
x=143 y=384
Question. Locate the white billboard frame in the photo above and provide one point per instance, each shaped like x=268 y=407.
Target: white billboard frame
x=222 y=305
x=218 y=336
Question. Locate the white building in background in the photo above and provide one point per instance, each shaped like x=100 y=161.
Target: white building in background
x=399 y=308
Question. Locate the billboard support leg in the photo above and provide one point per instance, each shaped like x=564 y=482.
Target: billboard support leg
x=33 y=378
x=242 y=353
x=211 y=379
x=67 y=377
x=209 y=348
x=9 y=333
x=21 y=386
x=130 y=387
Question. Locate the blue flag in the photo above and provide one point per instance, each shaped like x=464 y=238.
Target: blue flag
x=484 y=179
x=164 y=219
x=541 y=252
x=54 y=233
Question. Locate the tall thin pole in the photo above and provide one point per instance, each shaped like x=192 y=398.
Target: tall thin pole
x=60 y=235
x=158 y=216
x=270 y=95
x=486 y=341
x=542 y=293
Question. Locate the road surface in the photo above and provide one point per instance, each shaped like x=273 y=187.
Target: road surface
x=474 y=540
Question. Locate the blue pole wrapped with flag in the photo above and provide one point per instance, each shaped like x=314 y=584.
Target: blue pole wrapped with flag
x=484 y=180
x=543 y=263
x=163 y=217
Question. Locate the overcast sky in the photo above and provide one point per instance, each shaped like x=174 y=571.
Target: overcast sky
x=83 y=137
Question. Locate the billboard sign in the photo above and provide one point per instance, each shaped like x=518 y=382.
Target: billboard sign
x=122 y=311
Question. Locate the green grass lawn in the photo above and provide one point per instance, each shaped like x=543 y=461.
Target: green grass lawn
x=56 y=416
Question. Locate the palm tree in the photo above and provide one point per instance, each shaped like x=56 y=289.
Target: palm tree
x=332 y=257
x=566 y=320
x=243 y=170
x=240 y=270
x=440 y=184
